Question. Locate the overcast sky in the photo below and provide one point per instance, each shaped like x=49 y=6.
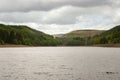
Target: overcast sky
x=61 y=16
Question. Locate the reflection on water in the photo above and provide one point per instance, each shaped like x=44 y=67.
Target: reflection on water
x=60 y=63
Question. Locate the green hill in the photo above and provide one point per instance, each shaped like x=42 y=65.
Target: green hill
x=111 y=36
x=91 y=37
x=23 y=35
x=83 y=33
x=78 y=37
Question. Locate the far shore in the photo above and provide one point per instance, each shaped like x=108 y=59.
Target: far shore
x=107 y=45
x=97 y=45
x=11 y=45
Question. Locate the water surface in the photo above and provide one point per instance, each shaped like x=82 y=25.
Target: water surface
x=60 y=63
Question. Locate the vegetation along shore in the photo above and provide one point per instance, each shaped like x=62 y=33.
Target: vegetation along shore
x=14 y=35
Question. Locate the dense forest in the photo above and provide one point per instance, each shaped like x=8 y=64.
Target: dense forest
x=91 y=37
x=79 y=37
x=23 y=35
x=111 y=36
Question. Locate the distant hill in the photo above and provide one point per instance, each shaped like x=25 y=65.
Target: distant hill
x=58 y=35
x=23 y=35
x=111 y=36
x=83 y=33
x=91 y=37
x=78 y=37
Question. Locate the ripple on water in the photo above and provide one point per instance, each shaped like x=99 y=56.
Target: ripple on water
x=72 y=63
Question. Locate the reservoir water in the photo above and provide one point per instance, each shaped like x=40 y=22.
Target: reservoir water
x=60 y=63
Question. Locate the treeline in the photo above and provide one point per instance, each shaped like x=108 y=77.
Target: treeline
x=111 y=36
x=23 y=35
x=75 y=41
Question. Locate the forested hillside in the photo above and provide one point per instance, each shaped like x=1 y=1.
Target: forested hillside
x=79 y=37
x=91 y=37
x=111 y=36
x=23 y=35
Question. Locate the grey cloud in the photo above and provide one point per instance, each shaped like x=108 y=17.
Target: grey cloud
x=63 y=15
x=60 y=16
x=38 y=5
x=21 y=17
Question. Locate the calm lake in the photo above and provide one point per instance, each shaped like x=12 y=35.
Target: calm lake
x=60 y=63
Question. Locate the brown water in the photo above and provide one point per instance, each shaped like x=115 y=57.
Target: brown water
x=60 y=63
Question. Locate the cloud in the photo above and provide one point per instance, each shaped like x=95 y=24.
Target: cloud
x=61 y=16
x=116 y=17
x=43 y=5
x=21 y=17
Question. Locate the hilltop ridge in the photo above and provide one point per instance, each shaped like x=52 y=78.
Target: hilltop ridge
x=23 y=35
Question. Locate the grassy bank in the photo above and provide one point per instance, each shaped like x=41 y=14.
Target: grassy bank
x=12 y=45
x=107 y=45
x=97 y=45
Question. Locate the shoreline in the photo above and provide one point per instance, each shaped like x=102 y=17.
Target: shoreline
x=97 y=45
x=107 y=45
x=10 y=45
